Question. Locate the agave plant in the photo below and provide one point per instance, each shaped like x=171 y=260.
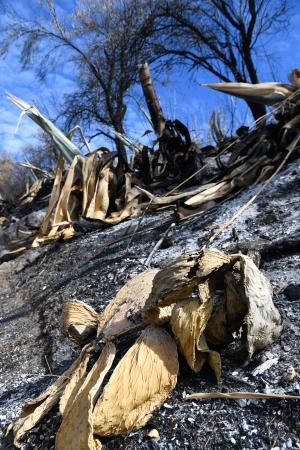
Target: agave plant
x=62 y=143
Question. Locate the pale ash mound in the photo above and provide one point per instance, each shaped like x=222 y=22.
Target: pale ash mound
x=93 y=267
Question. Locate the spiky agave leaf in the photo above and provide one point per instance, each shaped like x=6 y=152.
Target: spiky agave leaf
x=264 y=93
x=128 y=142
x=63 y=144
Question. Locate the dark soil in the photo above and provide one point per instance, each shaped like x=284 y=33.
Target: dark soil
x=94 y=266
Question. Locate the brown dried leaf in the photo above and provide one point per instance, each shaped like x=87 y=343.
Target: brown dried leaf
x=54 y=196
x=159 y=316
x=178 y=280
x=123 y=311
x=35 y=409
x=77 y=430
x=218 y=190
x=79 y=321
x=66 y=209
x=73 y=385
x=99 y=203
x=188 y=323
x=248 y=304
x=185 y=323
x=140 y=383
x=89 y=179
x=264 y=93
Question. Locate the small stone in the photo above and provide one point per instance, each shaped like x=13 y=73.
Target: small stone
x=290 y=374
x=242 y=403
x=286 y=348
x=166 y=405
x=154 y=434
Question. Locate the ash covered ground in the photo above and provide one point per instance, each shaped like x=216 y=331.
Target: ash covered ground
x=94 y=266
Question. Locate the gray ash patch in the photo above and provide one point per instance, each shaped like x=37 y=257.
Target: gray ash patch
x=92 y=268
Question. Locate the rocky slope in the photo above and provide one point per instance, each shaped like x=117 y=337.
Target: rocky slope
x=94 y=266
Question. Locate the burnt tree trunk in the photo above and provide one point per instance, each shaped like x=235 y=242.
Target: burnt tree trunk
x=153 y=104
x=257 y=110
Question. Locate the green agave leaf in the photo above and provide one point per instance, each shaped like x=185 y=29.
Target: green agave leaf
x=63 y=144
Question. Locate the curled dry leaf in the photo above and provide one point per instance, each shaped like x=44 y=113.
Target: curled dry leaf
x=77 y=429
x=34 y=410
x=248 y=306
x=125 y=310
x=79 y=321
x=178 y=279
x=228 y=317
x=262 y=323
x=188 y=323
x=186 y=326
x=141 y=382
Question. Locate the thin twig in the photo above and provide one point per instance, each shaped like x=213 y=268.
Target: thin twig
x=138 y=224
x=240 y=395
x=48 y=365
x=159 y=243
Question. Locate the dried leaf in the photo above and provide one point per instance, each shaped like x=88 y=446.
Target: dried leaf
x=248 y=304
x=178 y=280
x=100 y=200
x=53 y=200
x=34 y=410
x=159 y=316
x=188 y=323
x=77 y=429
x=218 y=190
x=139 y=384
x=66 y=209
x=264 y=93
x=79 y=321
x=262 y=324
x=123 y=312
x=73 y=384
x=228 y=317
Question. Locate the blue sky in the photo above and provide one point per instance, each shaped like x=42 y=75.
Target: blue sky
x=180 y=93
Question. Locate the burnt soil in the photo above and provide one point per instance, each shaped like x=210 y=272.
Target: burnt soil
x=94 y=266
